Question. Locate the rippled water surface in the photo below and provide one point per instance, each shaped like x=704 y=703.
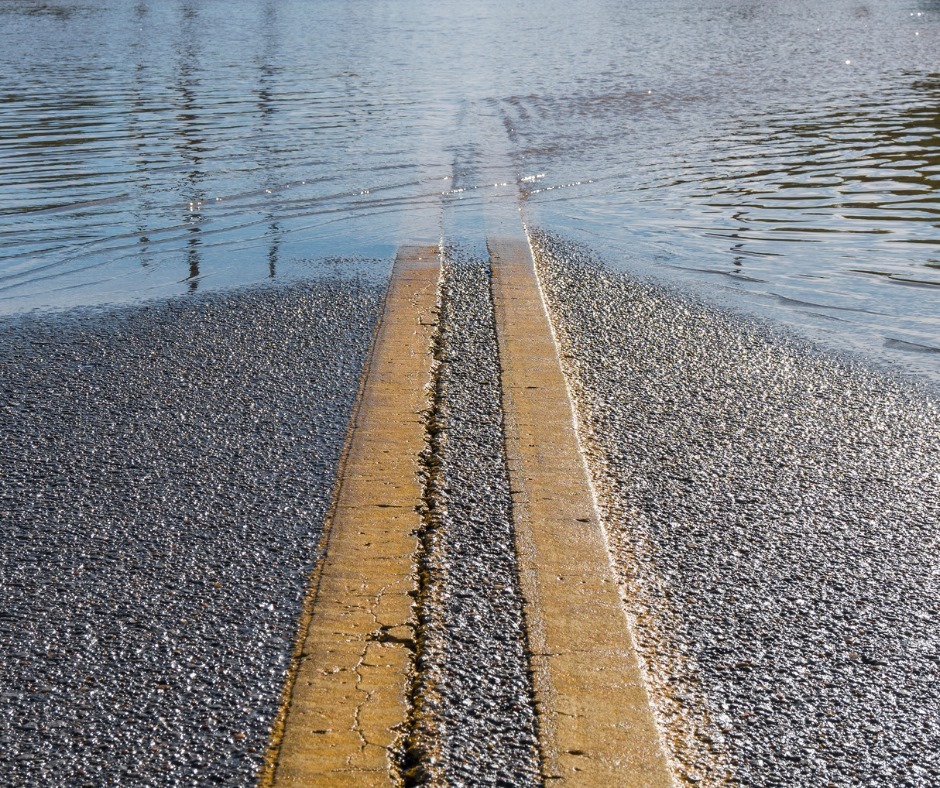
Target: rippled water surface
x=777 y=157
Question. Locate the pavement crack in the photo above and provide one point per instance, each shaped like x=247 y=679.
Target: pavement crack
x=357 y=713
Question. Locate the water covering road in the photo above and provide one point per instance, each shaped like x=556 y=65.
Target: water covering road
x=781 y=157
x=770 y=508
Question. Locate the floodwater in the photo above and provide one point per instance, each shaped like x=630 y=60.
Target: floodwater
x=780 y=158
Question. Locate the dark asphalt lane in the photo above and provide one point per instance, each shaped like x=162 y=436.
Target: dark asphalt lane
x=774 y=513
x=166 y=473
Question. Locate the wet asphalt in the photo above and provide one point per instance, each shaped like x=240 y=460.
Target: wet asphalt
x=772 y=511
x=166 y=473
x=774 y=514
x=476 y=721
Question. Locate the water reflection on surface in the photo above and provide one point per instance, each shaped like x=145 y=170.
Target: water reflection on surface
x=839 y=172
x=813 y=208
x=779 y=157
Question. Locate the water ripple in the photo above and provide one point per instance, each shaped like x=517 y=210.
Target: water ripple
x=785 y=149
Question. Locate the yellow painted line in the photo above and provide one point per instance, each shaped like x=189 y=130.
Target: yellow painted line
x=348 y=704
x=595 y=719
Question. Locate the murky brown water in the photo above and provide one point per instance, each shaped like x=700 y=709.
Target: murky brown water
x=780 y=157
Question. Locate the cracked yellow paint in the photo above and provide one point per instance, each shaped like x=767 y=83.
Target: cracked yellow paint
x=348 y=704
x=596 y=724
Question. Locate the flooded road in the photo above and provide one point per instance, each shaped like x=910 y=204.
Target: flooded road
x=776 y=158
x=224 y=184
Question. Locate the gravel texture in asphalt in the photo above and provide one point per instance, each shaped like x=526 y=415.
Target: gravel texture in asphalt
x=166 y=473
x=475 y=717
x=774 y=514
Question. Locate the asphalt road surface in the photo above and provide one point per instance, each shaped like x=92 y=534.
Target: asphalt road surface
x=166 y=473
x=774 y=514
x=477 y=721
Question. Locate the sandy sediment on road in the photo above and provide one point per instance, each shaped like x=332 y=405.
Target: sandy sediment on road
x=773 y=513
x=166 y=474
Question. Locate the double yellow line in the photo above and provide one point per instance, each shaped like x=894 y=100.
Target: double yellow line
x=346 y=709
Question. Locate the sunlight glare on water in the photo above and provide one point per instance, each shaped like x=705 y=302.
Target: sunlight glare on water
x=778 y=157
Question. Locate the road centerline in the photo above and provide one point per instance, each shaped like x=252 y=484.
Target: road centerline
x=595 y=719
x=349 y=701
